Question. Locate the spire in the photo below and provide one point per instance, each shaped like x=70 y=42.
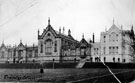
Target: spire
x=93 y=38
x=113 y=20
x=20 y=40
x=83 y=35
x=48 y=20
x=60 y=30
x=69 y=32
x=63 y=30
x=132 y=27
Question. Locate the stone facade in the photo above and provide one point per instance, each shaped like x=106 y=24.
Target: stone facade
x=55 y=46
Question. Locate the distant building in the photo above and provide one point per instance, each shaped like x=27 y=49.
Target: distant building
x=19 y=54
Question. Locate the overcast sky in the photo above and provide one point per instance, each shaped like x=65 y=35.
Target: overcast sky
x=21 y=19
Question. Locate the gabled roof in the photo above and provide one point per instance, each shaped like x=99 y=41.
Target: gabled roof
x=83 y=44
x=3 y=46
x=55 y=33
x=113 y=27
x=20 y=46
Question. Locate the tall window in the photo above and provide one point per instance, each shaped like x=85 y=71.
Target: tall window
x=104 y=38
x=109 y=50
x=48 y=46
x=104 y=50
x=55 y=46
x=117 y=50
x=41 y=50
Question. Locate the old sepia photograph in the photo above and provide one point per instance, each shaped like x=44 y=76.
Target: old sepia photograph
x=67 y=41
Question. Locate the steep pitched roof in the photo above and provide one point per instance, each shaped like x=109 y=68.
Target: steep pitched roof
x=113 y=27
x=3 y=46
x=83 y=44
x=55 y=33
x=20 y=46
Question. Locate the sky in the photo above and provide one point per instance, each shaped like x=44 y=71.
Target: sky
x=21 y=19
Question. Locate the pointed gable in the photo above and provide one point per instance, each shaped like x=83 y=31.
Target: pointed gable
x=83 y=44
x=55 y=33
x=20 y=46
x=113 y=28
x=3 y=47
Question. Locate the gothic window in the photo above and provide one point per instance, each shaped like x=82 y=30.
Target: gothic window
x=41 y=48
x=48 y=46
x=55 y=46
x=109 y=50
x=113 y=59
x=117 y=49
x=104 y=38
x=118 y=59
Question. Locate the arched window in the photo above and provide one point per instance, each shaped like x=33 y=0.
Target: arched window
x=104 y=59
x=48 y=46
x=118 y=59
x=113 y=59
x=91 y=59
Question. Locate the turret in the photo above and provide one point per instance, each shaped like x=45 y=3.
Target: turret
x=69 y=32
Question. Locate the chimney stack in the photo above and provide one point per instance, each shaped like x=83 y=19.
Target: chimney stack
x=69 y=32
x=93 y=38
x=63 y=30
x=60 y=30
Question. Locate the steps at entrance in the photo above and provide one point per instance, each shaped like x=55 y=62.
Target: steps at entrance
x=81 y=63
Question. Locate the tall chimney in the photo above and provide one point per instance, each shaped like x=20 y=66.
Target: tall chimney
x=63 y=30
x=93 y=38
x=60 y=30
x=69 y=32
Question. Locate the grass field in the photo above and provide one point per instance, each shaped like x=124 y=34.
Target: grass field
x=65 y=75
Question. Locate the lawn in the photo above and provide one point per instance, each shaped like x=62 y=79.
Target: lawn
x=61 y=75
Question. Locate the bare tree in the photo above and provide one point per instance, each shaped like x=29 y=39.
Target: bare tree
x=130 y=42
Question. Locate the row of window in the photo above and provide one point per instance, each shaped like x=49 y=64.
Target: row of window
x=112 y=50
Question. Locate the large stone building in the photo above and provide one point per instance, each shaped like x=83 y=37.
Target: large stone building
x=55 y=46
x=115 y=44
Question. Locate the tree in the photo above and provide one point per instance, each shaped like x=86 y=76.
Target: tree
x=131 y=43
